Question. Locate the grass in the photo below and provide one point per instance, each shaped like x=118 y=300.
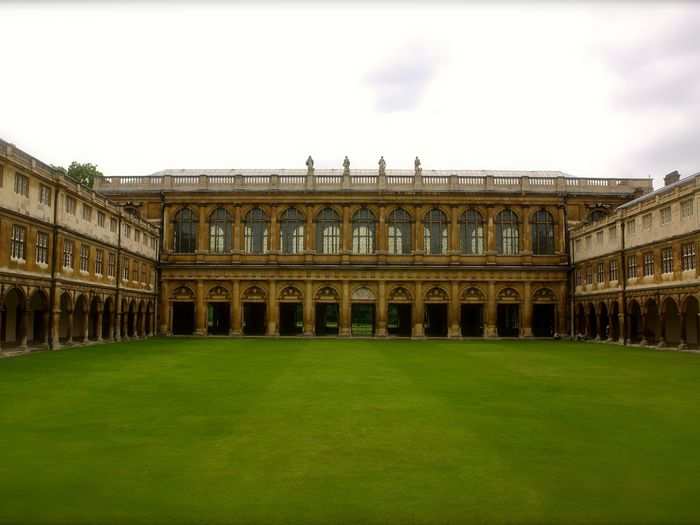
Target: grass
x=341 y=431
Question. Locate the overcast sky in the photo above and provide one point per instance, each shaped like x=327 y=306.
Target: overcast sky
x=590 y=89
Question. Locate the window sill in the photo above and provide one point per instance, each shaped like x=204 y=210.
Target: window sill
x=18 y=261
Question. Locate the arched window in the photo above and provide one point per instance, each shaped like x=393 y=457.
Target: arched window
x=328 y=232
x=507 y=233
x=220 y=231
x=435 y=232
x=542 y=230
x=399 y=232
x=292 y=231
x=363 y=230
x=185 y=231
x=256 y=231
x=471 y=233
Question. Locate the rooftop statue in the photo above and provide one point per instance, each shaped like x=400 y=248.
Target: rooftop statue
x=382 y=165
x=346 y=165
x=417 y=165
x=310 y=164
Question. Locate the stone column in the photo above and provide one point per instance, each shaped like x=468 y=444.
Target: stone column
x=86 y=323
x=273 y=309
x=454 y=248
x=623 y=328
x=200 y=307
x=164 y=305
x=562 y=326
x=382 y=245
x=56 y=326
x=490 y=231
x=237 y=233
x=118 y=320
x=453 y=311
x=309 y=237
x=381 y=310
x=345 y=316
x=235 y=308
x=526 y=330
x=418 y=312
x=644 y=327
x=25 y=325
x=682 y=343
x=274 y=231
x=69 y=334
x=491 y=311
x=346 y=234
x=420 y=231
x=98 y=328
x=662 y=339
x=526 y=240
x=308 y=309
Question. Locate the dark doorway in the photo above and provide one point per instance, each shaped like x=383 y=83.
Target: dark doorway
x=327 y=318
x=218 y=318
x=362 y=319
x=543 y=320
x=107 y=321
x=436 y=320
x=472 y=320
x=508 y=320
x=291 y=319
x=183 y=318
x=399 y=320
x=635 y=322
x=254 y=318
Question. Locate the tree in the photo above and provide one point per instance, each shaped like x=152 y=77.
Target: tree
x=83 y=173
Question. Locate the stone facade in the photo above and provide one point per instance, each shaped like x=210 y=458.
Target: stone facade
x=64 y=252
x=636 y=278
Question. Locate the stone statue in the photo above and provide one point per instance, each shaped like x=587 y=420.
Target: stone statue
x=346 y=165
x=417 y=166
x=310 y=165
x=382 y=165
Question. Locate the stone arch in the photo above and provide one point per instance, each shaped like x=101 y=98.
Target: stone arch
x=108 y=314
x=581 y=319
x=38 y=332
x=508 y=294
x=218 y=293
x=290 y=293
x=603 y=321
x=592 y=330
x=131 y=319
x=182 y=293
x=544 y=295
x=614 y=313
x=691 y=322
x=81 y=311
x=436 y=294
x=670 y=323
x=363 y=294
x=635 y=328
x=472 y=294
x=14 y=332
x=327 y=294
x=141 y=318
x=254 y=293
x=652 y=322
x=95 y=318
x=400 y=294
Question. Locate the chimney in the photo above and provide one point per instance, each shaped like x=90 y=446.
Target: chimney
x=672 y=177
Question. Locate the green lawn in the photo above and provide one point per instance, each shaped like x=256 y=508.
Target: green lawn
x=342 y=431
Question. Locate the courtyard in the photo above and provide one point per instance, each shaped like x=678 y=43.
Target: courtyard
x=218 y=430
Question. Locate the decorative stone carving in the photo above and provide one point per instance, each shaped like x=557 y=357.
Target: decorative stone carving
x=508 y=295
x=436 y=295
x=290 y=293
x=544 y=295
x=327 y=294
x=363 y=294
x=183 y=293
x=218 y=292
x=400 y=294
x=253 y=293
x=473 y=294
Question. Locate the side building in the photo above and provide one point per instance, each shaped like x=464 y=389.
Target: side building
x=74 y=267
x=636 y=276
x=366 y=252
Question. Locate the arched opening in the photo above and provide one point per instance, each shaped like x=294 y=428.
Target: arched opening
x=220 y=230
x=472 y=312
x=362 y=312
x=80 y=319
x=328 y=232
x=652 y=323
x=219 y=311
x=256 y=231
x=614 y=330
x=436 y=303
x=185 y=231
x=672 y=323
x=542 y=233
x=13 y=330
x=544 y=313
x=131 y=320
x=150 y=320
x=471 y=233
x=399 y=312
x=580 y=320
x=327 y=311
x=254 y=311
x=39 y=306
x=363 y=232
x=507 y=233
x=603 y=321
x=107 y=318
x=508 y=313
x=94 y=321
x=140 y=319
x=292 y=232
x=592 y=322
x=635 y=322
x=65 y=330
x=691 y=322
x=435 y=232
x=291 y=314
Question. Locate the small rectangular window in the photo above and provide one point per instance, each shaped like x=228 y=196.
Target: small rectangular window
x=613 y=270
x=21 y=185
x=99 y=255
x=589 y=240
x=84 y=258
x=648 y=264
x=687 y=208
x=665 y=215
x=688 y=256
x=70 y=205
x=646 y=221
x=612 y=234
x=631 y=266
x=45 y=195
x=600 y=277
x=67 y=253
x=42 y=248
x=125 y=270
x=17 y=242
x=137 y=235
x=631 y=227
x=667 y=260
x=87 y=213
x=111 y=265
x=599 y=238
x=100 y=219
x=589 y=275
x=113 y=225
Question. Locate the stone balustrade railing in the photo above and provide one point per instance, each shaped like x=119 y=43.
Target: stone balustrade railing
x=372 y=180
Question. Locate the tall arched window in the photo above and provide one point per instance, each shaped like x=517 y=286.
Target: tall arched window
x=363 y=230
x=542 y=230
x=471 y=233
x=435 y=232
x=328 y=232
x=220 y=226
x=399 y=232
x=292 y=231
x=507 y=233
x=185 y=231
x=256 y=231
